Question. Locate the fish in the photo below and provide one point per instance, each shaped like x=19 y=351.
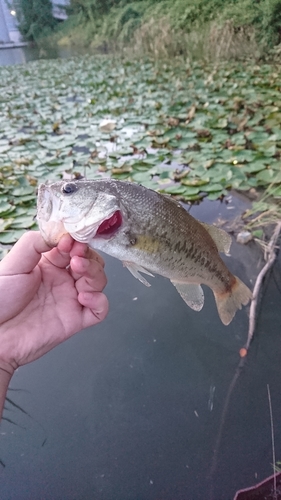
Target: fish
x=151 y=233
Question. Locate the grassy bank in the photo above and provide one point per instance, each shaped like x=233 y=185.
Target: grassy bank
x=209 y=29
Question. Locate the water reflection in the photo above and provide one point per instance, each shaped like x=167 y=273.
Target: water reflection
x=22 y=55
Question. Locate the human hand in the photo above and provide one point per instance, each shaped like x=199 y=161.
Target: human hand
x=47 y=298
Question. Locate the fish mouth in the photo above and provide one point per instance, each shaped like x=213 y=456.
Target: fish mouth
x=45 y=203
x=105 y=228
x=51 y=229
x=109 y=226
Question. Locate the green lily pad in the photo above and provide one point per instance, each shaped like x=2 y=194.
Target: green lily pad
x=210 y=188
x=194 y=182
x=191 y=191
x=9 y=237
x=254 y=167
x=5 y=224
x=215 y=195
x=23 y=191
x=23 y=222
x=176 y=189
x=269 y=176
x=6 y=208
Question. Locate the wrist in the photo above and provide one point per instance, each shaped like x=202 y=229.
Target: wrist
x=6 y=374
x=7 y=368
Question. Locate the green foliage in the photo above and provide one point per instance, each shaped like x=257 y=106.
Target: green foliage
x=91 y=8
x=271 y=22
x=35 y=18
x=119 y=20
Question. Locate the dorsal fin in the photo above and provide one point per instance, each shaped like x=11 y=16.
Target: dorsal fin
x=221 y=238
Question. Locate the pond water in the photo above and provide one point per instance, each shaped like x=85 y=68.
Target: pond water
x=22 y=55
x=143 y=406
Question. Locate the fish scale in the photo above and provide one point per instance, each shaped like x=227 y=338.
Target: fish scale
x=154 y=234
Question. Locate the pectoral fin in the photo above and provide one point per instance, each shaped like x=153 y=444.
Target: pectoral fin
x=136 y=270
x=192 y=294
x=221 y=238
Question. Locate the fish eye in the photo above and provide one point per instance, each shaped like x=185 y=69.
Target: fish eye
x=69 y=188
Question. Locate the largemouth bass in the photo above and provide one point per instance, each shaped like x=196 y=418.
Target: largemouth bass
x=148 y=232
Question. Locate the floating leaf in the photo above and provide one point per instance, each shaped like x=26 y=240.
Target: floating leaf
x=212 y=188
x=23 y=191
x=214 y=196
x=6 y=208
x=5 y=224
x=9 y=237
x=177 y=189
x=191 y=191
x=23 y=222
x=269 y=176
x=139 y=177
x=194 y=182
x=254 y=167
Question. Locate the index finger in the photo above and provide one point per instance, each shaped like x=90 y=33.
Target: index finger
x=24 y=255
x=82 y=250
x=60 y=255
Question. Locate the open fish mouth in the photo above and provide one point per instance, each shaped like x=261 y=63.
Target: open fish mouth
x=105 y=228
x=109 y=226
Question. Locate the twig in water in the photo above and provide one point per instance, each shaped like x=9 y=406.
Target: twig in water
x=271 y=255
x=273 y=444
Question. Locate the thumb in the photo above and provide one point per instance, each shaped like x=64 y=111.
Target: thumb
x=24 y=255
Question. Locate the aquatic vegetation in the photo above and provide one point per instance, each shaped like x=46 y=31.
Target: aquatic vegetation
x=190 y=130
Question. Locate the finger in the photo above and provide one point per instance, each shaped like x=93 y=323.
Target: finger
x=24 y=255
x=82 y=250
x=95 y=307
x=88 y=274
x=60 y=255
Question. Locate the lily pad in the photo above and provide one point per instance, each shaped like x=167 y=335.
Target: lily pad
x=23 y=222
x=6 y=208
x=9 y=237
x=212 y=188
x=269 y=176
x=23 y=191
x=176 y=189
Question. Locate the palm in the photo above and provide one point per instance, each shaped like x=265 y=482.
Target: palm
x=54 y=306
x=58 y=307
x=51 y=302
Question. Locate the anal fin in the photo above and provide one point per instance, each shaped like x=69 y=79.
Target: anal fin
x=191 y=293
x=136 y=270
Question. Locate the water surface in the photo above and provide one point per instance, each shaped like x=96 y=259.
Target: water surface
x=137 y=407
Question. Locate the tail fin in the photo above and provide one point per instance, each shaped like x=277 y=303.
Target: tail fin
x=229 y=302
